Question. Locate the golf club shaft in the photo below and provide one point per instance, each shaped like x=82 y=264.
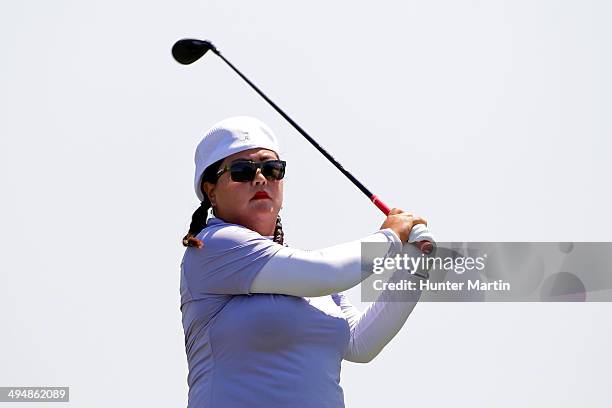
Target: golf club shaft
x=424 y=246
x=313 y=142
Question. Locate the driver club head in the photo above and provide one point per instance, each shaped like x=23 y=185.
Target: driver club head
x=187 y=51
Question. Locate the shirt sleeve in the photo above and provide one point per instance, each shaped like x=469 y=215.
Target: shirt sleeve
x=373 y=329
x=228 y=261
x=322 y=272
x=237 y=260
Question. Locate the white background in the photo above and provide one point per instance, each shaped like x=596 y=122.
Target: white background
x=489 y=118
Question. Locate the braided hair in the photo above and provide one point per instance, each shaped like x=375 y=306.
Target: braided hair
x=200 y=215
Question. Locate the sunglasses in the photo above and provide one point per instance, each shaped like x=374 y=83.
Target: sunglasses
x=246 y=170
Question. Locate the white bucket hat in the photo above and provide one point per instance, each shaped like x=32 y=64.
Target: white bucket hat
x=231 y=135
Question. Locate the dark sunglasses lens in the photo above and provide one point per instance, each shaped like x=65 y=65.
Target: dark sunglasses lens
x=273 y=169
x=243 y=171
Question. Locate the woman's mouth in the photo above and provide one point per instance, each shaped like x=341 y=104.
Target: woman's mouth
x=259 y=195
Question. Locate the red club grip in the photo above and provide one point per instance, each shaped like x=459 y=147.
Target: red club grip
x=382 y=206
x=425 y=247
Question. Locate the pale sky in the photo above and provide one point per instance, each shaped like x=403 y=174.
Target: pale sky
x=489 y=118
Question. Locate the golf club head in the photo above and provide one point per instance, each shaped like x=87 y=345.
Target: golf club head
x=187 y=51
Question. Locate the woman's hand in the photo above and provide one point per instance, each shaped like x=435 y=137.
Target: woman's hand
x=401 y=222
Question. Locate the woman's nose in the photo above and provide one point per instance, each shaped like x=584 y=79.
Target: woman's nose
x=259 y=178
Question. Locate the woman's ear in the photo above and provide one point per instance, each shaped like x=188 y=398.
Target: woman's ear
x=209 y=190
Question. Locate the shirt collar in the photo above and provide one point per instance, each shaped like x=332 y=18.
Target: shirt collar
x=213 y=220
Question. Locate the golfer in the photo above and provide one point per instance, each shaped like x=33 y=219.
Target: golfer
x=265 y=324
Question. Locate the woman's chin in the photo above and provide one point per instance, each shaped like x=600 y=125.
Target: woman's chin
x=263 y=205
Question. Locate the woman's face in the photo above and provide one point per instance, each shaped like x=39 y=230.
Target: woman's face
x=235 y=202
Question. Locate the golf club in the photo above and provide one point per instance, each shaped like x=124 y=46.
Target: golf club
x=187 y=51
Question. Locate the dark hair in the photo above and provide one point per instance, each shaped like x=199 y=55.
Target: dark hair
x=200 y=215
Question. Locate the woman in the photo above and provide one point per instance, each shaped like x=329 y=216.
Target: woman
x=266 y=324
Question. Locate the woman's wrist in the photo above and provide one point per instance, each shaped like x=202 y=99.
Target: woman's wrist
x=394 y=238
